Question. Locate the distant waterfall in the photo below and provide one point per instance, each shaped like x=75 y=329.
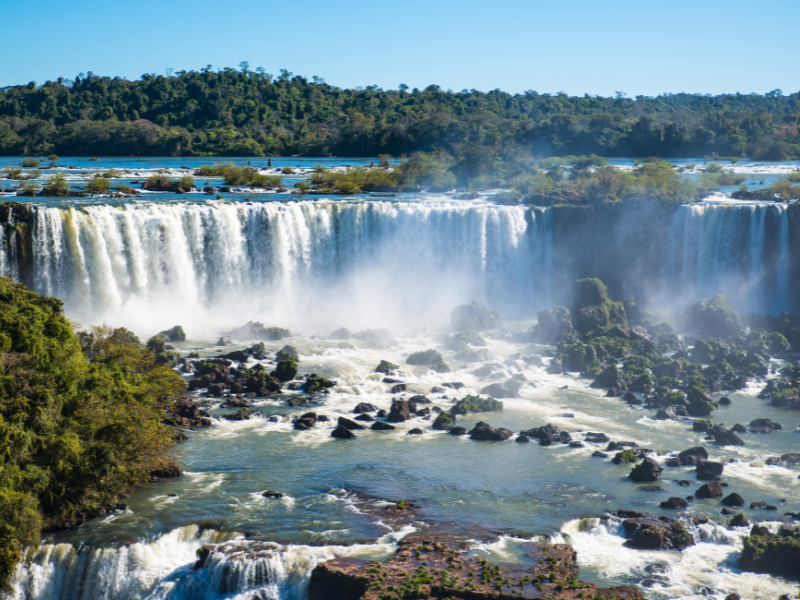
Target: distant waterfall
x=302 y=258
x=741 y=250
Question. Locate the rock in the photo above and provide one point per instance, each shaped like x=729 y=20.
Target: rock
x=415 y=431
x=645 y=533
x=775 y=555
x=390 y=380
x=609 y=378
x=419 y=399
x=724 y=401
x=454 y=385
x=400 y=411
x=345 y=346
x=237 y=355
x=381 y=426
x=365 y=417
x=666 y=413
x=647 y=470
x=733 y=596
x=175 y=334
x=475 y=316
x=224 y=341
x=382 y=414
x=713 y=317
x=323 y=418
x=343 y=333
x=437 y=390
x=692 y=456
x=348 y=424
x=215 y=390
x=254 y=330
x=764 y=424
x=167 y=470
x=709 y=490
x=343 y=433
x=444 y=422
x=397 y=389
x=458 y=430
x=234 y=402
x=597 y=438
x=549 y=431
x=552 y=324
x=287 y=353
x=286 y=370
x=307 y=421
x=599 y=454
x=576 y=444
x=709 y=470
x=240 y=415
x=555 y=367
x=475 y=404
x=759 y=504
x=790 y=459
x=316 y=384
x=546 y=441
x=733 y=499
x=425 y=412
x=365 y=407
x=523 y=439
x=497 y=390
x=739 y=428
x=485 y=432
x=725 y=437
x=386 y=367
x=271 y=494
x=430 y=358
x=674 y=502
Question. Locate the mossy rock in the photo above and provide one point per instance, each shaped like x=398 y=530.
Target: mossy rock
x=286 y=370
x=175 y=334
x=476 y=317
x=476 y=404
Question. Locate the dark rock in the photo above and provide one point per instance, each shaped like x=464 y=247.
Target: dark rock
x=437 y=390
x=485 y=432
x=647 y=470
x=609 y=378
x=725 y=437
x=286 y=370
x=497 y=390
x=709 y=490
x=733 y=499
x=444 y=422
x=555 y=367
x=597 y=438
x=793 y=458
x=724 y=401
x=400 y=387
x=599 y=454
x=576 y=444
x=234 y=402
x=739 y=428
x=365 y=417
x=419 y=399
x=759 y=504
x=237 y=355
x=709 y=470
x=343 y=433
x=691 y=456
x=348 y=424
x=425 y=412
x=667 y=413
x=674 y=502
x=307 y=421
x=240 y=415
x=454 y=385
x=458 y=430
x=386 y=367
x=381 y=426
x=523 y=439
x=766 y=424
x=647 y=533
x=382 y=414
x=415 y=431
x=271 y=494
x=400 y=411
x=365 y=407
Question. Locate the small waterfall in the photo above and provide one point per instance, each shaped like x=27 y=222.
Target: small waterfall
x=740 y=250
x=164 y=569
x=301 y=258
x=9 y=257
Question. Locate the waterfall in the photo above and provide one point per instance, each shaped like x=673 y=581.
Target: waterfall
x=164 y=568
x=741 y=250
x=302 y=259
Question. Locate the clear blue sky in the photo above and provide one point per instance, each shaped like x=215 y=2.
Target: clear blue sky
x=578 y=46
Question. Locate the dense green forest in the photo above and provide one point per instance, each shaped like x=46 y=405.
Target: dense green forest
x=80 y=418
x=251 y=113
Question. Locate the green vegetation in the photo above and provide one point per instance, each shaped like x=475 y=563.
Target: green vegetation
x=235 y=175
x=79 y=418
x=30 y=162
x=253 y=113
x=161 y=183
x=475 y=404
x=56 y=185
x=430 y=358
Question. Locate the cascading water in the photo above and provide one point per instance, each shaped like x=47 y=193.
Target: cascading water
x=741 y=250
x=392 y=259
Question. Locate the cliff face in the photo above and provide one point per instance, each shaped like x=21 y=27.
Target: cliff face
x=16 y=242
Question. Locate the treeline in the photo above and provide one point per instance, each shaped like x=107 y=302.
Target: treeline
x=251 y=113
x=80 y=419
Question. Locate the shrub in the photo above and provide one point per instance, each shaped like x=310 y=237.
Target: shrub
x=30 y=162
x=56 y=185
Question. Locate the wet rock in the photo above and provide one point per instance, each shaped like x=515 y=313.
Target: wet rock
x=709 y=470
x=399 y=388
x=609 y=378
x=724 y=401
x=597 y=438
x=271 y=494
x=692 y=456
x=365 y=407
x=576 y=444
x=475 y=317
x=415 y=431
x=437 y=390
x=235 y=402
x=485 y=432
x=425 y=412
x=240 y=415
x=674 y=502
x=498 y=390
x=647 y=470
x=733 y=499
x=776 y=555
x=725 y=437
x=343 y=333
x=444 y=422
x=791 y=459
x=475 y=404
x=287 y=353
x=390 y=380
x=286 y=370
x=419 y=399
x=709 y=490
x=457 y=430
x=166 y=471
x=454 y=385
x=733 y=596
x=400 y=411
x=381 y=426
x=667 y=413
x=759 y=504
x=365 y=417
x=386 y=367
x=739 y=428
x=345 y=346
x=224 y=341
x=348 y=424
x=382 y=414
x=764 y=425
x=237 y=355
x=315 y=384
x=523 y=439
x=343 y=433
x=546 y=431
x=555 y=367
x=599 y=454
x=645 y=533
x=307 y=421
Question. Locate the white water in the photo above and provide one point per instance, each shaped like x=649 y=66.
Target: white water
x=368 y=262
x=236 y=569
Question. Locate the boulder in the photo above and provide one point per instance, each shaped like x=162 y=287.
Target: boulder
x=609 y=378
x=307 y=421
x=224 y=341
x=271 y=494
x=475 y=316
x=523 y=439
x=764 y=424
x=475 y=404
x=398 y=388
x=381 y=426
x=400 y=411
x=739 y=521
x=647 y=470
x=597 y=438
x=555 y=367
x=386 y=367
x=674 y=502
x=365 y=417
x=692 y=456
x=415 y=431
x=709 y=490
x=791 y=459
x=287 y=353
x=485 y=432
x=552 y=324
x=175 y=334
x=348 y=424
x=457 y=430
x=365 y=407
x=497 y=390
x=725 y=437
x=646 y=533
x=343 y=433
x=709 y=470
x=286 y=370
x=733 y=499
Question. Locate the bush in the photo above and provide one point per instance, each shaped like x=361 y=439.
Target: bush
x=30 y=162
x=56 y=185
x=98 y=185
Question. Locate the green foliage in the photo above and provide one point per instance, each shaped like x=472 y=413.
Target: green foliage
x=79 y=417
x=475 y=404
x=98 y=185
x=161 y=183
x=236 y=175
x=430 y=358
x=240 y=112
x=30 y=162
x=56 y=185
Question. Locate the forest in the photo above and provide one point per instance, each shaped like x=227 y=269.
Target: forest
x=80 y=419
x=244 y=112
